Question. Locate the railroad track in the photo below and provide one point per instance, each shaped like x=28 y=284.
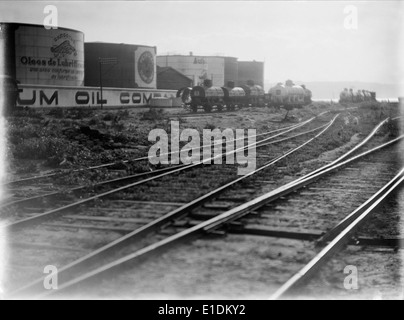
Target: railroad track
x=256 y=210
x=44 y=201
x=115 y=211
x=46 y=182
x=204 y=114
x=190 y=114
x=342 y=234
x=373 y=256
x=42 y=185
x=209 y=211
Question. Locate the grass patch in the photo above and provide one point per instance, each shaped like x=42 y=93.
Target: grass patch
x=153 y=114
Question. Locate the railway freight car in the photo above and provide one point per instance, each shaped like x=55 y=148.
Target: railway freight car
x=289 y=96
x=255 y=94
x=356 y=97
x=210 y=97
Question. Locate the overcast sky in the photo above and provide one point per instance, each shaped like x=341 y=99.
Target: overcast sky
x=304 y=41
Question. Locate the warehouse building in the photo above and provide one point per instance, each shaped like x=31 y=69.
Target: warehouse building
x=122 y=65
x=170 y=79
x=34 y=55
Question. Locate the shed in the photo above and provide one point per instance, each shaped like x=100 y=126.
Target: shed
x=170 y=79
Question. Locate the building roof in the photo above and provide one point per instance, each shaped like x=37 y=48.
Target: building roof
x=247 y=62
x=118 y=44
x=165 y=69
x=196 y=56
x=36 y=25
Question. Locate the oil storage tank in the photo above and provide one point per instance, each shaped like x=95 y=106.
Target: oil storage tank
x=130 y=65
x=251 y=70
x=218 y=69
x=230 y=70
x=35 y=55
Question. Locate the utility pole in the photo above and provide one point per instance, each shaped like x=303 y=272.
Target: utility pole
x=101 y=62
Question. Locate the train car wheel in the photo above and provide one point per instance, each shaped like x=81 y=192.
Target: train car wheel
x=194 y=108
x=207 y=108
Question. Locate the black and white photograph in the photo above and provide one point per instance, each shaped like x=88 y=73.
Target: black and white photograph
x=201 y=154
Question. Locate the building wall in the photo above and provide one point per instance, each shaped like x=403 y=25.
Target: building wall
x=35 y=55
x=135 y=67
x=197 y=68
x=250 y=70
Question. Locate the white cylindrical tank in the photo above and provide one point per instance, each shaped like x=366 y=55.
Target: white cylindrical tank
x=287 y=94
x=46 y=56
x=197 y=68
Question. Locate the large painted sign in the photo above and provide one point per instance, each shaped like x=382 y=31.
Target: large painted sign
x=54 y=96
x=145 y=67
x=49 y=57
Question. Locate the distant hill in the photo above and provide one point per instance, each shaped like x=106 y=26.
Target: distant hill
x=331 y=90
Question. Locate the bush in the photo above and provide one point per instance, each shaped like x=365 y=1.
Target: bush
x=210 y=126
x=57 y=113
x=40 y=148
x=108 y=117
x=28 y=113
x=153 y=114
x=94 y=121
x=123 y=114
x=79 y=113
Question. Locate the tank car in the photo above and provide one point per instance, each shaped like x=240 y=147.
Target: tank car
x=185 y=95
x=207 y=96
x=235 y=97
x=230 y=97
x=356 y=97
x=255 y=94
x=289 y=95
x=307 y=95
x=345 y=96
x=369 y=95
x=359 y=96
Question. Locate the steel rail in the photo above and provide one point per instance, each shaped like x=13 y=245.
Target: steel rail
x=59 y=211
x=80 y=188
x=82 y=263
x=345 y=233
x=206 y=226
x=356 y=148
x=343 y=224
x=106 y=165
x=50 y=175
x=123 y=179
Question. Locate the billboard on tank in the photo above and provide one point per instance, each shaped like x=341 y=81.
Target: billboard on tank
x=49 y=57
x=145 y=67
x=37 y=96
